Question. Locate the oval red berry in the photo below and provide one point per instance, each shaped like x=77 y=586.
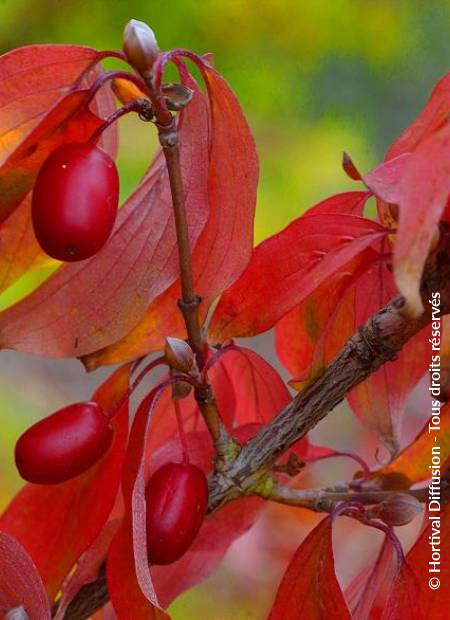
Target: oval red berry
x=177 y=499
x=74 y=202
x=63 y=445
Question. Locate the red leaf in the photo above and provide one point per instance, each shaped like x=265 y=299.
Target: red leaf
x=384 y=181
x=20 y=582
x=433 y=603
x=311 y=334
x=432 y=117
x=18 y=246
x=259 y=391
x=286 y=268
x=414 y=460
x=129 y=581
x=67 y=518
x=402 y=602
x=371 y=593
x=425 y=189
x=90 y=304
x=34 y=102
x=380 y=400
x=224 y=246
x=87 y=568
x=217 y=534
x=309 y=589
x=434 y=114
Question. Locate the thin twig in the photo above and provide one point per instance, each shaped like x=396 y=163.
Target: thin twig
x=325 y=500
x=189 y=303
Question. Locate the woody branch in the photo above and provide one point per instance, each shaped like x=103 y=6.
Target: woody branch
x=377 y=342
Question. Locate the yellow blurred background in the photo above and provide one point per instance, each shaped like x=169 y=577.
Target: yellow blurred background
x=315 y=78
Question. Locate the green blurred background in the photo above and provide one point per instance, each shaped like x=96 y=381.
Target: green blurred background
x=315 y=78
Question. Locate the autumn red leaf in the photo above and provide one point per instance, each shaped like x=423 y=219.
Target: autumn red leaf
x=425 y=188
x=384 y=180
x=380 y=400
x=225 y=244
x=20 y=582
x=88 y=567
x=432 y=602
x=324 y=320
x=414 y=460
x=402 y=601
x=129 y=581
x=421 y=189
x=19 y=249
x=63 y=317
x=373 y=593
x=68 y=517
x=309 y=588
x=434 y=115
x=286 y=268
x=311 y=334
x=259 y=391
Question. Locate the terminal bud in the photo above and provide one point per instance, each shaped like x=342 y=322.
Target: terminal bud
x=140 y=46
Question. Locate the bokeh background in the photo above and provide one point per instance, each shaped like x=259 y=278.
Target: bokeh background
x=315 y=78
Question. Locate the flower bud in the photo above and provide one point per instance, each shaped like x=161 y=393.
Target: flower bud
x=179 y=354
x=399 y=509
x=126 y=91
x=140 y=46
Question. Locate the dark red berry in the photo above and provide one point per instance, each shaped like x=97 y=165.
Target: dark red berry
x=75 y=200
x=63 y=445
x=177 y=498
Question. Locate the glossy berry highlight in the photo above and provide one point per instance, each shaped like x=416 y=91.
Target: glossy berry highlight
x=177 y=499
x=63 y=445
x=75 y=200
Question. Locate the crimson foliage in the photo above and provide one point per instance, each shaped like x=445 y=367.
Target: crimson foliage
x=315 y=282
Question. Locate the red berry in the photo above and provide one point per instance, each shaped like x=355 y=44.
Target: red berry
x=177 y=499
x=75 y=199
x=63 y=445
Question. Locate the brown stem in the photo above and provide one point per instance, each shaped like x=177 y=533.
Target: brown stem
x=189 y=303
x=89 y=599
x=376 y=342
x=325 y=500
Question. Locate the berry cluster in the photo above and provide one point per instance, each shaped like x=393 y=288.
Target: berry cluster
x=70 y=441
